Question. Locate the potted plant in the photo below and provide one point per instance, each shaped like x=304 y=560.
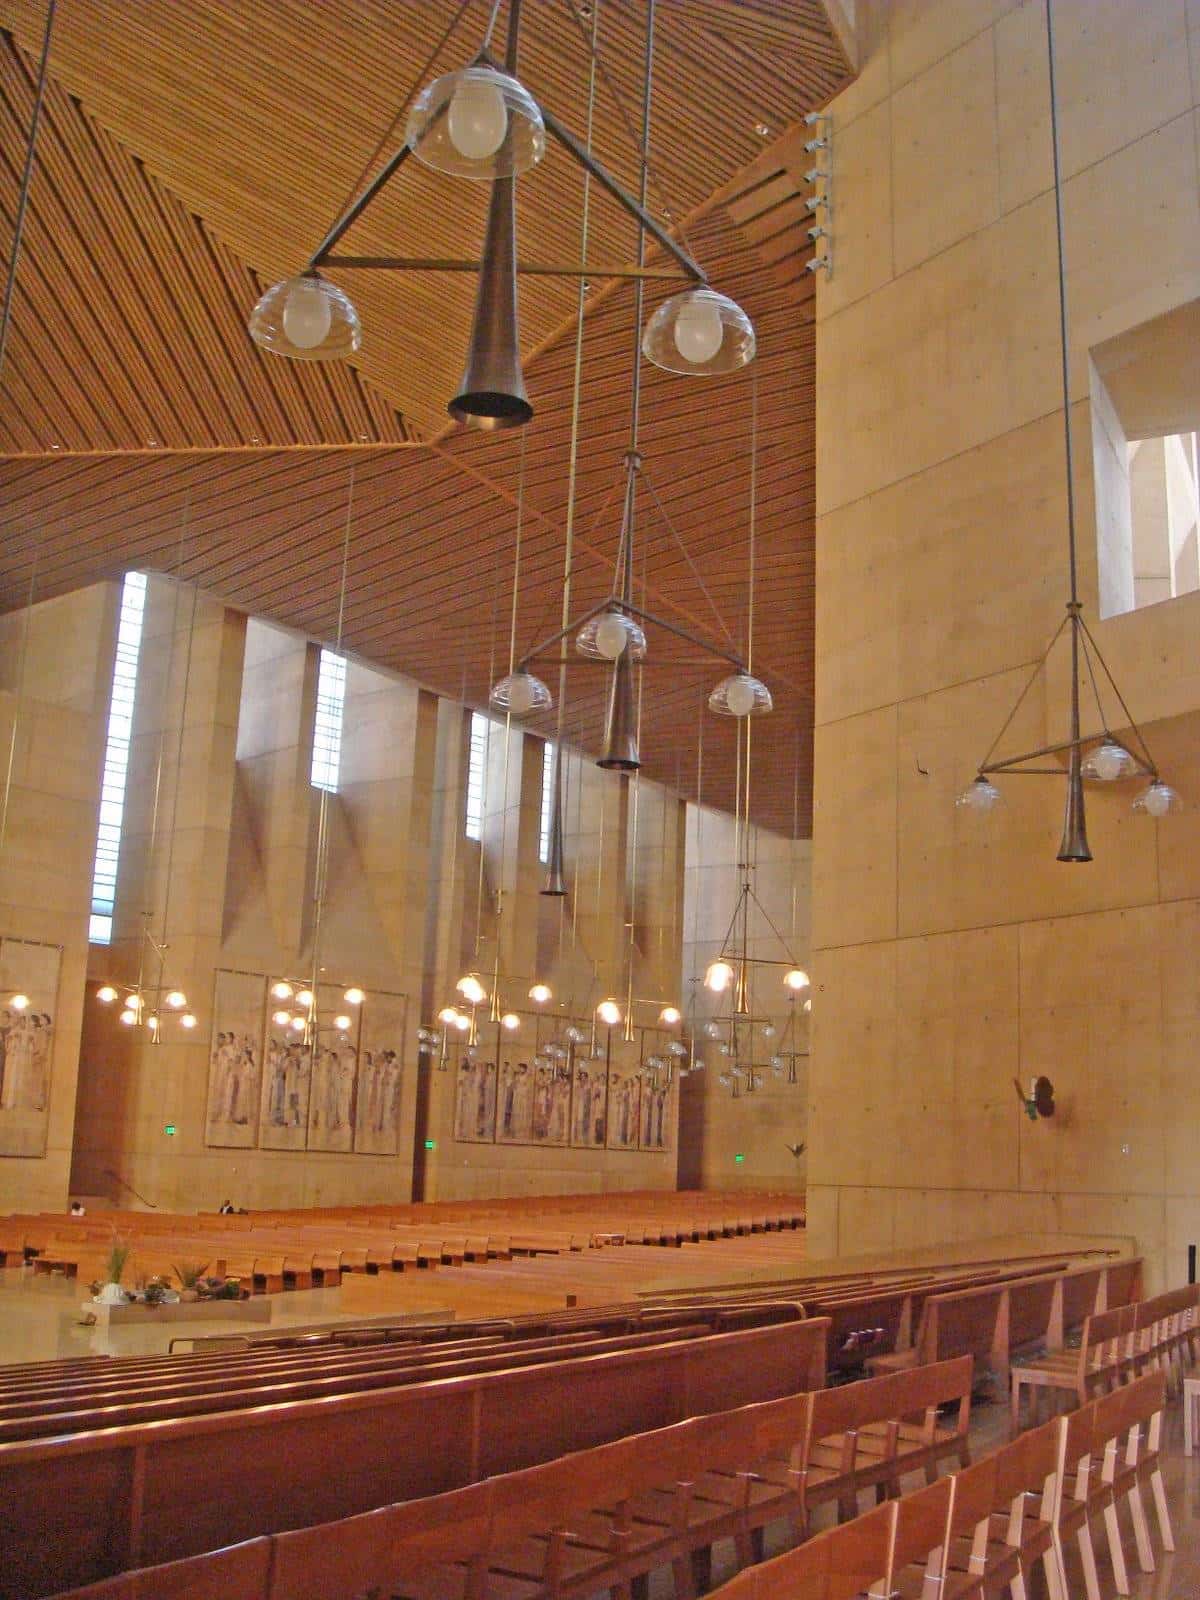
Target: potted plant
x=156 y=1292
x=112 y=1293
x=189 y=1274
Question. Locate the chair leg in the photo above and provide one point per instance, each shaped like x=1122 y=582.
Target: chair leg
x=1087 y=1555
x=1141 y=1529
x=1116 y=1550
x=1161 y=1510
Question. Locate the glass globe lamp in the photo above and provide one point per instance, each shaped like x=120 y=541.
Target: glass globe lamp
x=699 y=332
x=979 y=797
x=711 y=1030
x=575 y=1035
x=305 y=997
x=478 y=123
x=796 y=979
x=609 y=1012
x=1109 y=762
x=281 y=1018
x=448 y=1015
x=281 y=990
x=297 y=1024
x=128 y=1017
x=342 y=1023
x=1158 y=799
x=461 y=1023
x=718 y=976
x=670 y=1015
x=354 y=996
x=677 y=1047
x=540 y=993
x=307 y=319
x=520 y=694
x=188 y=1020
x=106 y=994
x=511 y=1021
x=471 y=989
x=740 y=695
x=176 y=999
x=608 y=635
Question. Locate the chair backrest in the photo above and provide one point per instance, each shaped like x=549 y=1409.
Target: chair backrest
x=239 y=1572
x=916 y=1392
x=1115 y=1414
x=838 y=1564
x=972 y=1503
x=378 y=1549
x=920 y=1530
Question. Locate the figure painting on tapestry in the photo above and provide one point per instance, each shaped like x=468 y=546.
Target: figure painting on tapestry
x=624 y=1103
x=655 y=1132
x=380 y=1075
x=534 y=1102
x=29 y=987
x=235 y=1059
x=475 y=1101
x=589 y=1105
x=285 y=1091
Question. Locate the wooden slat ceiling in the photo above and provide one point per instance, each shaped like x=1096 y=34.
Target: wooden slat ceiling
x=194 y=150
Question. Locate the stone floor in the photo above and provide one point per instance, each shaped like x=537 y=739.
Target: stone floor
x=39 y=1321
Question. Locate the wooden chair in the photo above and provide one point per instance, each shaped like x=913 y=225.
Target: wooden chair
x=1104 y=1359
x=994 y=1542
x=1082 y=1495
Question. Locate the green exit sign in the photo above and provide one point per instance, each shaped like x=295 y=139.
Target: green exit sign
x=431 y=1144
x=169 y=1129
x=739 y=1156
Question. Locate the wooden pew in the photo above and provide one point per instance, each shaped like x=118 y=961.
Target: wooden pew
x=138 y=1495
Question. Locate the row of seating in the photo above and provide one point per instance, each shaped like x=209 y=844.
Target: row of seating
x=142 y=1483
x=1115 y=1346
x=984 y=1531
x=606 y=1518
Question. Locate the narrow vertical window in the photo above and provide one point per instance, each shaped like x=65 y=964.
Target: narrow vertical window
x=327 y=727
x=116 y=757
x=547 y=801
x=476 y=770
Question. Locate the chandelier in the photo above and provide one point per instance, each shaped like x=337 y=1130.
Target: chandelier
x=1099 y=757
x=295 y=1007
x=145 y=1004
x=480 y=122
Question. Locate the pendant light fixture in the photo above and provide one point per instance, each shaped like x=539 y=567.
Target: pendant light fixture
x=1098 y=757
x=614 y=629
x=480 y=122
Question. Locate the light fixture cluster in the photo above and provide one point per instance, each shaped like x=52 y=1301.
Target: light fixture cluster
x=481 y=123
x=147 y=1005
x=463 y=1017
x=294 y=1007
x=819 y=204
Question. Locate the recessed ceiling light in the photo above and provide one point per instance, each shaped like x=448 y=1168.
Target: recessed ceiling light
x=152 y=443
x=56 y=447
x=762 y=130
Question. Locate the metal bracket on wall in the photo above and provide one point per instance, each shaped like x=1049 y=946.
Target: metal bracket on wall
x=820 y=202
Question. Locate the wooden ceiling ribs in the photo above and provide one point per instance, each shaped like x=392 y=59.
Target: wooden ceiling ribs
x=194 y=150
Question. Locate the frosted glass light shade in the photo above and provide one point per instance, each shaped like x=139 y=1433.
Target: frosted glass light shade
x=106 y=994
x=980 y=796
x=1158 y=799
x=306 y=318
x=796 y=979
x=520 y=694
x=478 y=123
x=354 y=996
x=1109 y=762
x=609 y=1012
x=718 y=977
x=699 y=332
x=669 y=1016
x=471 y=989
x=511 y=1021
x=608 y=635
x=740 y=695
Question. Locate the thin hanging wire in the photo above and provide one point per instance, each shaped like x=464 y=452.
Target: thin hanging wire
x=505 y=799
x=26 y=181
x=573 y=462
x=1059 y=231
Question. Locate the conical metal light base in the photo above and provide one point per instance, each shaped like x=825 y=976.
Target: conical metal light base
x=492 y=394
x=1074 y=846
x=620 y=751
x=554 y=884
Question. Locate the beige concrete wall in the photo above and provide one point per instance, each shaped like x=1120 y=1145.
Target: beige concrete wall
x=715 y=1127
x=947 y=961
x=55 y=668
